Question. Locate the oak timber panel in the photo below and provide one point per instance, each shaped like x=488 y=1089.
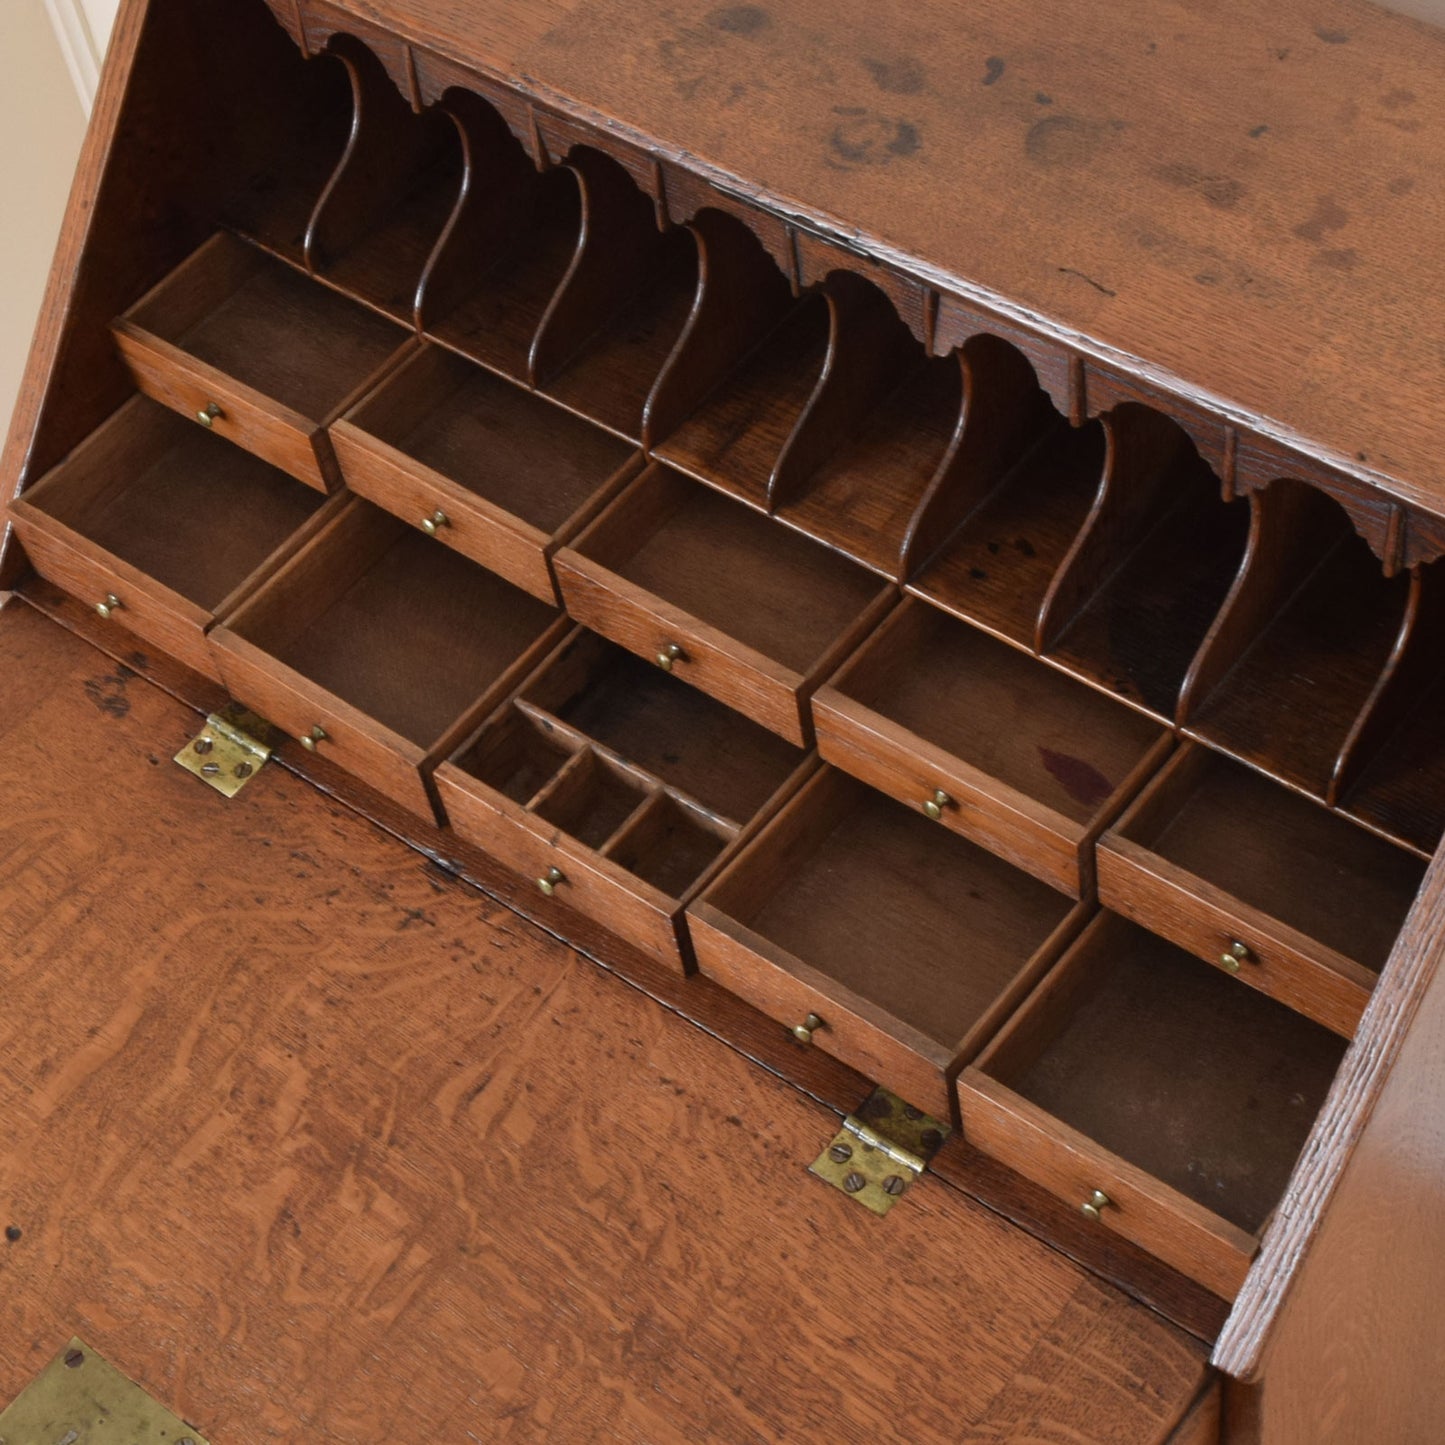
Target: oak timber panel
x=325 y=1154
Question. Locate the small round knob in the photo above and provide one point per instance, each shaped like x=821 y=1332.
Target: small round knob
x=1095 y=1205
x=804 y=1031
x=669 y=654
x=935 y=805
x=111 y=605
x=550 y=879
x=316 y=736
x=1236 y=954
x=208 y=414
x=433 y=524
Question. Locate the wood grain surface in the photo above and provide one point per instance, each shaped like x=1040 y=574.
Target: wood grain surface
x=307 y=1136
x=1223 y=199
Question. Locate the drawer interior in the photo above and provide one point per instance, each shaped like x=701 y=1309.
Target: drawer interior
x=630 y=762
x=999 y=710
x=1170 y=1065
x=504 y=444
x=1279 y=852
x=175 y=502
x=868 y=894
x=384 y=618
x=772 y=589
x=269 y=326
x=693 y=745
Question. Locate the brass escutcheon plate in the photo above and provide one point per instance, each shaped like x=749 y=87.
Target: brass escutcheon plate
x=79 y=1399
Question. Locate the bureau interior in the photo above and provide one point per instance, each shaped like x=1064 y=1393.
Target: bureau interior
x=1168 y=1064
x=470 y=441
x=381 y=616
x=144 y=488
x=594 y=695
x=867 y=899
x=776 y=592
x=1247 y=837
x=268 y=326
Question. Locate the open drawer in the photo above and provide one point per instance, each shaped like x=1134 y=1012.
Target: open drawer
x=1147 y=1088
x=876 y=935
x=617 y=788
x=751 y=612
x=988 y=741
x=1289 y=897
x=163 y=526
x=257 y=351
x=379 y=648
x=479 y=462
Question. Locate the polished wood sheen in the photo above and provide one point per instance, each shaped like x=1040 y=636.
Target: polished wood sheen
x=262 y=1169
x=877 y=543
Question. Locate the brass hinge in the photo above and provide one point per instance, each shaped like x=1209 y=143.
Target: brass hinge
x=880 y=1150
x=79 y=1399
x=230 y=750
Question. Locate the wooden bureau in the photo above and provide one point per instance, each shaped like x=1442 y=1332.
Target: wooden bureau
x=916 y=536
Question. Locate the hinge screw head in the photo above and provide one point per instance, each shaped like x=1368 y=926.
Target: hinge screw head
x=854 y=1182
x=895 y=1184
x=243 y=770
x=840 y=1153
x=203 y=745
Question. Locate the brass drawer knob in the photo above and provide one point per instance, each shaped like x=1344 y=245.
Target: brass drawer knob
x=1237 y=954
x=670 y=654
x=550 y=879
x=110 y=605
x=209 y=414
x=935 y=805
x=1095 y=1205
x=433 y=524
x=314 y=738
x=804 y=1031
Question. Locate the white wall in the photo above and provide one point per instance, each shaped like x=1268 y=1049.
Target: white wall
x=82 y=28
x=41 y=126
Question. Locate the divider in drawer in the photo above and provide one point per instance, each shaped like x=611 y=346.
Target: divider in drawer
x=876 y=935
x=257 y=352
x=750 y=612
x=1290 y=898
x=484 y=465
x=379 y=648
x=987 y=741
x=1147 y=1089
x=618 y=789
x=163 y=525
x=1007 y=505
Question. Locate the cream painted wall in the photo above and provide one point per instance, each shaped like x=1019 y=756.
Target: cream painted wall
x=41 y=126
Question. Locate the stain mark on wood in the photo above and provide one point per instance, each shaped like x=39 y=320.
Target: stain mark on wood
x=901 y=76
x=993 y=67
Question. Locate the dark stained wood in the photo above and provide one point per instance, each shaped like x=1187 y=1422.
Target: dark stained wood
x=292 y=1228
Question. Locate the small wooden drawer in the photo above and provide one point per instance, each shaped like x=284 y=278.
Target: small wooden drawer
x=257 y=352
x=381 y=648
x=988 y=741
x=747 y=610
x=490 y=468
x=1135 y=1071
x=1289 y=897
x=617 y=788
x=163 y=525
x=907 y=943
